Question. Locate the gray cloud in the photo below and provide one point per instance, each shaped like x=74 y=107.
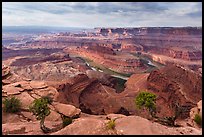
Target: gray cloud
x=197 y=11
x=110 y=14
x=195 y=14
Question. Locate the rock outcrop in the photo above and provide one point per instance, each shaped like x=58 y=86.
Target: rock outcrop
x=71 y=69
x=98 y=49
x=67 y=110
x=27 y=92
x=124 y=125
x=85 y=126
x=175 y=85
x=97 y=125
x=150 y=31
x=122 y=63
x=176 y=52
x=87 y=94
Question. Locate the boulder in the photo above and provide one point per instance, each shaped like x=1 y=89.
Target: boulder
x=25 y=100
x=53 y=116
x=67 y=110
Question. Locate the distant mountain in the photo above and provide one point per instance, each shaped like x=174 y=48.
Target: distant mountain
x=39 y=29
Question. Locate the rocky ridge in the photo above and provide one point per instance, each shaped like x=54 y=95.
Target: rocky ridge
x=73 y=100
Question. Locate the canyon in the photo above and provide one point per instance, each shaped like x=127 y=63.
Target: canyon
x=94 y=77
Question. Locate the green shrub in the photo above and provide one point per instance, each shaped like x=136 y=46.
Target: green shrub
x=198 y=119
x=11 y=105
x=147 y=100
x=40 y=108
x=48 y=99
x=66 y=121
x=111 y=124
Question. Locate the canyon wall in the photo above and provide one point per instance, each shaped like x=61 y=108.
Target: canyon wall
x=151 y=30
x=175 y=85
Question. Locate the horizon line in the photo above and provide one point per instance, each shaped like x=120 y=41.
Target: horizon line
x=102 y=26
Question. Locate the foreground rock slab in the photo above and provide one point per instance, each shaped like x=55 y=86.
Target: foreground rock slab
x=85 y=126
x=135 y=125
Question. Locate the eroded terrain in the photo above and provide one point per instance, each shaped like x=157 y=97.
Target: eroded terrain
x=95 y=76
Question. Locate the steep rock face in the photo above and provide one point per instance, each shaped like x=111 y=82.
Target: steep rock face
x=178 y=53
x=87 y=94
x=100 y=49
x=100 y=95
x=103 y=78
x=70 y=92
x=175 y=85
x=150 y=31
x=160 y=40
x=122 y=63
x=136 y=82
x=172 y=46
x=108 y=80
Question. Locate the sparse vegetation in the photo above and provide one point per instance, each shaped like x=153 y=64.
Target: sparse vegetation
x=48 y=99
x=119 y=85
x=40 y=109
x=11 y=105
x=147 y=100
x=111 y=124
x=198 y=119
x=66 y=121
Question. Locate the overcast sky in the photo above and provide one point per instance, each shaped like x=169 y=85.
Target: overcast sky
x=102 y=14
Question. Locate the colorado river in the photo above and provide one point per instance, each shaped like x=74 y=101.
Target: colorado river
x=117 y=76
x=150 y=63
x=91 y=66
